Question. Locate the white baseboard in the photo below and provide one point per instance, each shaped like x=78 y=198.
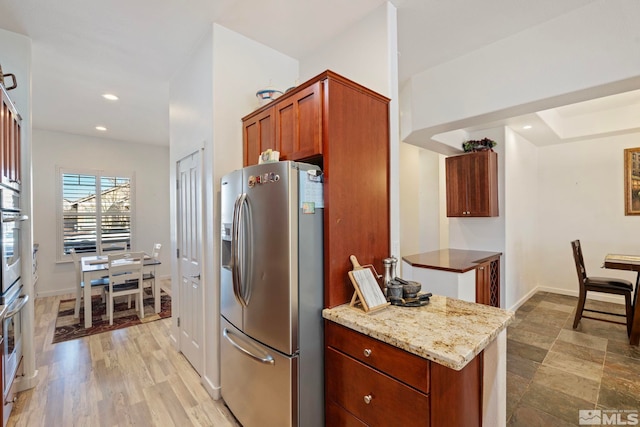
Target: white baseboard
x=213 y=390
x=615 y=299
x=25 y=382
x=55 y=292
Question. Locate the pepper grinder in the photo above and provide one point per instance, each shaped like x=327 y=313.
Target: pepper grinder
x=394 y=262
x=388 y=266
x=389 y=271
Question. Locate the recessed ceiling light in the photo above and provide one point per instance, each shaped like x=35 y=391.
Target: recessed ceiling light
x=101 y=128
x=527 y=127
x=110 y=97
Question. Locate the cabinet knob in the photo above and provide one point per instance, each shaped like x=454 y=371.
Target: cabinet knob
x=480 y=268
x=367 y=399
x=367 y=352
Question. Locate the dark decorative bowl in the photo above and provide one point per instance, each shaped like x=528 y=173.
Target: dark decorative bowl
x=411 y=290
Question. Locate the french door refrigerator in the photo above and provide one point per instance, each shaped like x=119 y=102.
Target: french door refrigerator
x=271 y=295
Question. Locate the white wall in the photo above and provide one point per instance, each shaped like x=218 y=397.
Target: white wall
x=521 y=260
x=149 y=164
x=208 y=98
x=483 y=234
x=419 y=190
x=589 y=52
x=361 y=53
x=581 y=196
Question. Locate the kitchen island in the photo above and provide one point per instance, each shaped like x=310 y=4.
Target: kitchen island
x=440 y=364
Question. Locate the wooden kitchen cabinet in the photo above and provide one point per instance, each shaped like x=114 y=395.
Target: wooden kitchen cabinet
x=342 y=127
x=10 y=141
x=371 y=383
x=298 y=124
x=258 y=135
x=488 y=283
x=472 y=184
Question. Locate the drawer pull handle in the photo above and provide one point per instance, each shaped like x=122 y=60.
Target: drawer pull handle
x=367 y=399
x=367 y=352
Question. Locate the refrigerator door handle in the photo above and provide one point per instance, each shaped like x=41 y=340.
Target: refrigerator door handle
x=244 y=247
x=267 y=359
x=236 y=250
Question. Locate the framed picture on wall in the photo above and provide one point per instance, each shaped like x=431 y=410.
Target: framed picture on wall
x=632 y=181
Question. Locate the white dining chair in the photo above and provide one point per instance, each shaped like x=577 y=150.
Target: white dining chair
x=80 y=284
x=125 y=278
x=111 y=248
x=150 y=277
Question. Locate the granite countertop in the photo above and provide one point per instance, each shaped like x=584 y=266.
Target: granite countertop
x=455 y=260
x=447 y=331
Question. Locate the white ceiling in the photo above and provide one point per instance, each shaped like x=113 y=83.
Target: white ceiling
x=82 y=49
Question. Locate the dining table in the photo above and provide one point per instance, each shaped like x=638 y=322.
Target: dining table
x=630 y=263
x=96 y=267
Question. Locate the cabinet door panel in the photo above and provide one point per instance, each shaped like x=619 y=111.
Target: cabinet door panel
x=258 y=136
x=10 y=141
x=4 y=138
x=472 y=184
x=456 y=186
x=299 y=125
x=286 y=130
x=483 y=281
x=478 y=170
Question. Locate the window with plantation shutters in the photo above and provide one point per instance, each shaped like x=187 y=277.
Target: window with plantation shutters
x=96 y=212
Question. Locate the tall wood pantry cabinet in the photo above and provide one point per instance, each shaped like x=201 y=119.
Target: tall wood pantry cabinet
x=472 y=184
x=344 y=128
x=10 y=125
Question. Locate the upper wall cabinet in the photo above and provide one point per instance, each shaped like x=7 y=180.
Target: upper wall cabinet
x=10 y=142
x=258 y=135
x=298 y=124
x=472 y=184
x=291 y=125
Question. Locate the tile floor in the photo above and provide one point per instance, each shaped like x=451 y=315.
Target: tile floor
x=554 y=371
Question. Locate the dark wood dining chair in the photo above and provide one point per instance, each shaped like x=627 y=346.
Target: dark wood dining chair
x=607 y=285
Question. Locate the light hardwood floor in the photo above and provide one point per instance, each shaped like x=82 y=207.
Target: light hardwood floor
x=127 y=377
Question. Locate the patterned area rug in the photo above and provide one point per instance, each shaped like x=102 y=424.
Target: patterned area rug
x=69 y=328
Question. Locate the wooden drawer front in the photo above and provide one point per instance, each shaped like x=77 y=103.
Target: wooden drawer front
x=351 y=383
x=336 y=416
x=393 y=361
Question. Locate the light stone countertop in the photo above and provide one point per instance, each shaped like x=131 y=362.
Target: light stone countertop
x=447 y=331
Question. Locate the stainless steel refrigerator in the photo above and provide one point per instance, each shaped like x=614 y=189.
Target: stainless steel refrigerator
x=271 y=295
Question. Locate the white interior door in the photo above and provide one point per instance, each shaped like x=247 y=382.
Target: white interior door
x=191 y=305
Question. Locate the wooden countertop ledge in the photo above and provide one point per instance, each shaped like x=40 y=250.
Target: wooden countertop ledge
x=454 y=260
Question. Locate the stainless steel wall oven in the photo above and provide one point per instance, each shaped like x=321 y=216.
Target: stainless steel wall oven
x=11 y=284
x=12 y=333
x=10 y=246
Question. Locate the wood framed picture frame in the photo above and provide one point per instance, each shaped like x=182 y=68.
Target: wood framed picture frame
x=632 y=181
